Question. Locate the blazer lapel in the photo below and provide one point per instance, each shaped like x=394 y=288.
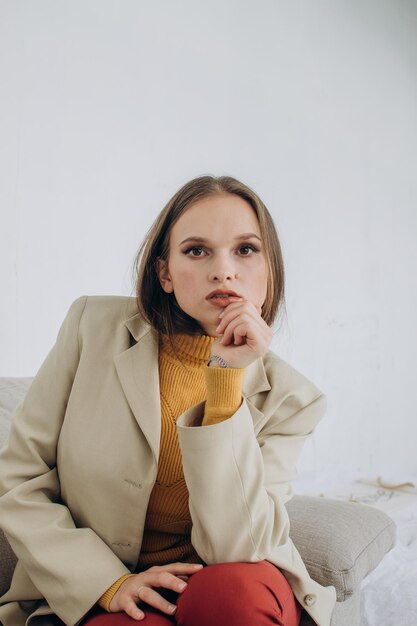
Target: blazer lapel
x=138 y=371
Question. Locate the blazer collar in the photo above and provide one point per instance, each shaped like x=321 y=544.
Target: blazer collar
x=138 y=371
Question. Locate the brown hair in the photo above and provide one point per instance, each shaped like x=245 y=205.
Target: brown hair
x=160 y=309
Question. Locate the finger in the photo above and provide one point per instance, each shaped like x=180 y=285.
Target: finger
x=248 y=313
x=243 y=334
x=168 y=581
x=233 y=320
x=231 y=313
x=237 y=330
x=237 y=304
x=233 y=338
x=132 y=610
x=164 y=579
x=179 y=568
x=154 y=599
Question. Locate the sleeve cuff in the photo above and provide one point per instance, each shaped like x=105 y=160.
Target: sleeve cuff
x=224 y=393
x=107 y=597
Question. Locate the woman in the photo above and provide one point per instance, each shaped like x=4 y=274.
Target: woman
x=149 y=464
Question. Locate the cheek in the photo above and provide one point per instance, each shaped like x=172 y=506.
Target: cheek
x=183 y=275
x=187 y=274
x=261 y=270
x=262 y=292
x=261 y=280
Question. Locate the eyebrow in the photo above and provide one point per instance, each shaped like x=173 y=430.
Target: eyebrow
x=204 y=240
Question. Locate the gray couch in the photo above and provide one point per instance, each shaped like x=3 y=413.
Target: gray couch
x=340 y=542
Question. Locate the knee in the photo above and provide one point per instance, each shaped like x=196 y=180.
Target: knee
x=226 y=593
x=226 y=579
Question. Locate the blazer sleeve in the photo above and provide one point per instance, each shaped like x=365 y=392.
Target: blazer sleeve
x=70 y=566
x=239 y=482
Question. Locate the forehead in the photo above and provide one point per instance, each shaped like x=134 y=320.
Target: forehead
x=219 y=216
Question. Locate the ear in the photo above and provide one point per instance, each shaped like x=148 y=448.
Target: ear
x=164 y=275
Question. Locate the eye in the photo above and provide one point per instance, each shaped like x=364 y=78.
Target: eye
x=195 y=249
x=246 y=249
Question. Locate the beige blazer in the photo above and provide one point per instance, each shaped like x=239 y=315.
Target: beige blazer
x=81 y=461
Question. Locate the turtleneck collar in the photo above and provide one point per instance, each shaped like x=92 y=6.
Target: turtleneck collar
x=193 y=350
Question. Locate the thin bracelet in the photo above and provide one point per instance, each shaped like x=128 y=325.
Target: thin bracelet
x=218 y=359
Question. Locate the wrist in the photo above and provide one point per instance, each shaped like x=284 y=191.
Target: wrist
x=105 y=600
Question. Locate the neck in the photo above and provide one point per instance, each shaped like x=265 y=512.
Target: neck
x=191 y=350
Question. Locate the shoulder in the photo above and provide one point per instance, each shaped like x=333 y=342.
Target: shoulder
x=101 y=314
x=116 y=307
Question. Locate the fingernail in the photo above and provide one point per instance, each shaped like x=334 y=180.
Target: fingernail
x=221 y=314
x=182 y=586
x=199 y=565
x=172 y=608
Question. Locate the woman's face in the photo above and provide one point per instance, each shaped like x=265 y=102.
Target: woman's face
x=215 y=245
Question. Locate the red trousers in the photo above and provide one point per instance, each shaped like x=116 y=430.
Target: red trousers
x=227 y=594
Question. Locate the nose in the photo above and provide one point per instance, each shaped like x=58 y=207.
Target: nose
x=223 y=268
x=223 y=275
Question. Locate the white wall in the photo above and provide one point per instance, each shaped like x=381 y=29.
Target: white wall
x=108 y=107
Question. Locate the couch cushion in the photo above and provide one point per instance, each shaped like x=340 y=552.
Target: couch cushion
x=339 y=542
x=7 y=563
x=12 y=392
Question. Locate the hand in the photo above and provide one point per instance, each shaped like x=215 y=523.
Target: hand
x=246 y=336
x=140 y=588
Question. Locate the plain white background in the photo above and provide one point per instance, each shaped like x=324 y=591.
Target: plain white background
x=108 y=107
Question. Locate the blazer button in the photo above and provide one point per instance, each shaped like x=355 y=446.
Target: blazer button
x=310 y=599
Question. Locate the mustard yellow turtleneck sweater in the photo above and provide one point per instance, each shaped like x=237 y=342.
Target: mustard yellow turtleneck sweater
x=184 y=382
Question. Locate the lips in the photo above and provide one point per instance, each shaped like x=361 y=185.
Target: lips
x=224 y=293
x=221 y=298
